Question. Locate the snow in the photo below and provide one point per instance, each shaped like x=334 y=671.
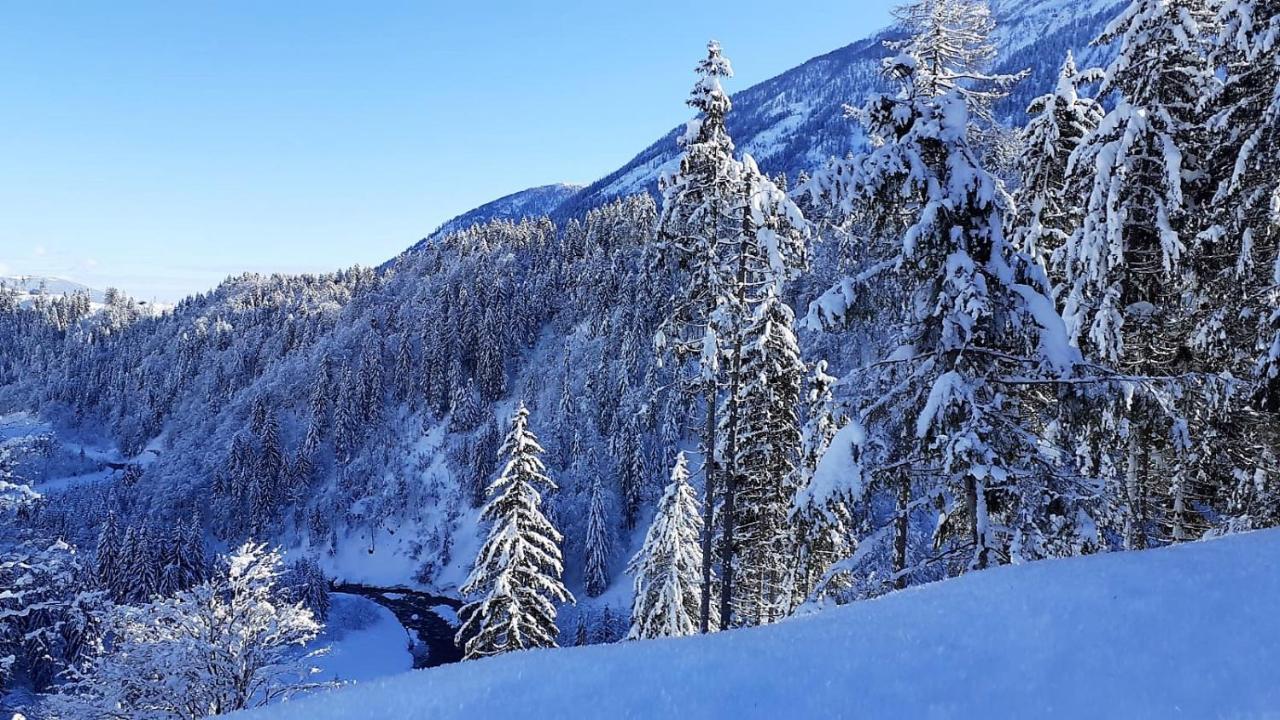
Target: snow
x=839 y=473
x=1055 y=348
x=365 y=642
x=1188 y=631
x=20 y=425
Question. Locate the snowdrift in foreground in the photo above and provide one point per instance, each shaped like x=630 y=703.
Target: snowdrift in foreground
x=1191 y=631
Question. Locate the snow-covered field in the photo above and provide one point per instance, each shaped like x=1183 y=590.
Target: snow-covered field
x=1185 y=632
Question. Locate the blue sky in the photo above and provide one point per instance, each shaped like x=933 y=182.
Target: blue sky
x=160 y=146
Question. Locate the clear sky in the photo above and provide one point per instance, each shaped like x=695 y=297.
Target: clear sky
x=160 y=146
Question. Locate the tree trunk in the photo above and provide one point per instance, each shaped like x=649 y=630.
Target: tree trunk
x=708 y=507
x=1135 y=532
x=975 y=504
x=729 y=513
x=900 y=530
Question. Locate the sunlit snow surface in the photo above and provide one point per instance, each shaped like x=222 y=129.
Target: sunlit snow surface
x=1187 y=632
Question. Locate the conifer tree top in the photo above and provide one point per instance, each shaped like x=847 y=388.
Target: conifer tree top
x=707 y=95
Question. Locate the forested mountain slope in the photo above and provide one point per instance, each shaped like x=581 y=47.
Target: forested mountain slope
x=532 y=203
x=384 y=386
x=933 y=377
x=354 y=414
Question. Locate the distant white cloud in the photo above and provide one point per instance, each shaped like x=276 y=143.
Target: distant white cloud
x=39 y=251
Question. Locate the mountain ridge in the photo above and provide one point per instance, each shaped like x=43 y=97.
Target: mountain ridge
x=794 y=121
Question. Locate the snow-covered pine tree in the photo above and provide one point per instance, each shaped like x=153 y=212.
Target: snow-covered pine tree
x=1049 y=206
x=1247 y=124
x=566 y=411
x=484 y=458
x=298 y=476
x=232 y=490
x=140 y=576
x=491 y=355
x=1129 y=286
x=48 y=617
x=701 y=219
x=309 y=586
x=515 y=583
x=167 y=552
x=465 y=411
x=668 y=567
x=435 y=375
x=596 y=566
x=258 y=410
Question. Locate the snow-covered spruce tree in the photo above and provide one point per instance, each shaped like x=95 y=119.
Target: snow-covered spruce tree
x=762 y=429
x=1240 y=329
x=465 y=410
x=766 y=459
x=566 y=412
x=139 y=577
x=1130 y=288
x=265 y=493
x=596 y=567
x=515 y=583
x=403 y=376
x=109 y=557
x=667 y=569
x=13 y=494
x=182 y=558
x=346 y=422
x=701 y=219
x=308 y=585
x=631 y=472
x=225 y=645
x=319 y=404
x=822 y=531
x=1049 y=206
x=950 y=427
x=48 y=613
x=370 y=379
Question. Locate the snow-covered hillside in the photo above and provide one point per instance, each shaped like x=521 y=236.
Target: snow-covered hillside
x=1188 y=631
x=32 y=285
